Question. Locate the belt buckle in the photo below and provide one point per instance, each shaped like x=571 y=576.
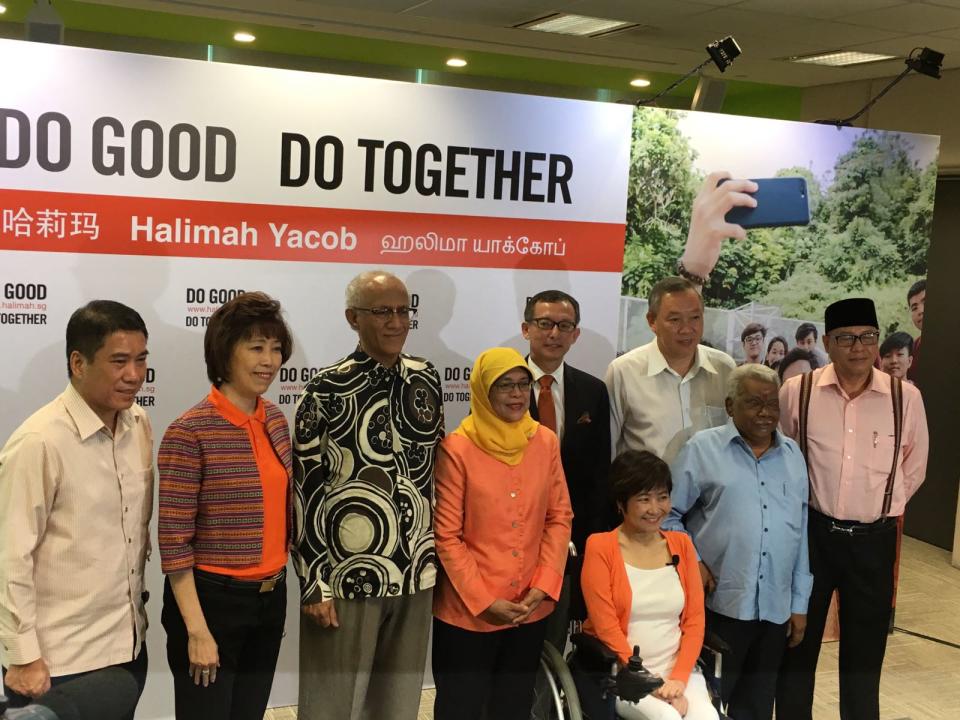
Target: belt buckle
x=839 y=528
x=268 y=585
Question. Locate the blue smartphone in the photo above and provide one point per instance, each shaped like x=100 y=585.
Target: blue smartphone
x=781 y=202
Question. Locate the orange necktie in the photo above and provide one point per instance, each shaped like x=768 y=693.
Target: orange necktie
x=545 y=405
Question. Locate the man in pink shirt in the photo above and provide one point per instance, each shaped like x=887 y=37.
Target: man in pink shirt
x=851 y=445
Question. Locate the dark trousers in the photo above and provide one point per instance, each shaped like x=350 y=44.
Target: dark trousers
x=248 y=627
x=749 y=681
x=860 y=567
x=137 y=668
x=495 y=671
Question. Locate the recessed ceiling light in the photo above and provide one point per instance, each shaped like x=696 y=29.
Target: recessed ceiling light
x=841 y=58
x=244 y=37
x=456 y=62
x=640 y=82
x=3 y=9
x=567 y=24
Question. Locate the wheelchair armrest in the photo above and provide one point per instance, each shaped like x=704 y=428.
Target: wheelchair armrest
x=714 y=643
x=593 y=648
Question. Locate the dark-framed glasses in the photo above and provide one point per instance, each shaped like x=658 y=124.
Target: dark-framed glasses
x=506 y=388
x=753 y=339
x=385 y=313
x=755 y=404
x=846 y=340
x=546 y=324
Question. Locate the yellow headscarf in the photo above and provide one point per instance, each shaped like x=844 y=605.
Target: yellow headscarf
x=504 y=440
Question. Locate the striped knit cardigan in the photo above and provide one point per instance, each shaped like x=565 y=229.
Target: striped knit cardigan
x=211 y=497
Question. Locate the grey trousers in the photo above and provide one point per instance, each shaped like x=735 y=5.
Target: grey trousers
x=371 y=667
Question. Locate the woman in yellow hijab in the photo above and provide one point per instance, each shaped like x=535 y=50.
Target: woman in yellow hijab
x=502 y=526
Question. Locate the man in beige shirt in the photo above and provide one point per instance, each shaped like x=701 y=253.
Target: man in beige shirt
x=663 y=392
x=76 y=496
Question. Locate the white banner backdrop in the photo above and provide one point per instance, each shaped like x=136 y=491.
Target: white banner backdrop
x=171 y=184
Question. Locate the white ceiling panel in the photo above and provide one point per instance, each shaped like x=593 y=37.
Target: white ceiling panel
x=910 y=19
x=672 y=38
x=820 y=9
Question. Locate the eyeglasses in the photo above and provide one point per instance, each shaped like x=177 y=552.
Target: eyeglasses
x=546 y=324
x=846 y=340
x=385 y=313
x=756 y=404
x=753 y=339
x=506 y=388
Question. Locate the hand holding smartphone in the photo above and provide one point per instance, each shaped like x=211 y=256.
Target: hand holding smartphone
x=781 y=202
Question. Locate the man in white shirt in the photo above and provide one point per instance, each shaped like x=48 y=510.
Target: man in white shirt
x=665 y=391
x=76 y=496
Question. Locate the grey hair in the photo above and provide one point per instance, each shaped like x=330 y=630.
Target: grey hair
x=357 y=286
x=750 y=371
x=665 y=286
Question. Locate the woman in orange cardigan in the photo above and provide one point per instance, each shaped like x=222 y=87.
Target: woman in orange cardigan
x=502 y=526
x=642 y=587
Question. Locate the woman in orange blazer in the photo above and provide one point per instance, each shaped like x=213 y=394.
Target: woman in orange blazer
x=502 y=526
x=642 y=588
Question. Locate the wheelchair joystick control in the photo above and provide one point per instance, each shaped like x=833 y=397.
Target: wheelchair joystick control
x=634 y=681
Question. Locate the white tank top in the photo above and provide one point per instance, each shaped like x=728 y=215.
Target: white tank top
x=655 y=616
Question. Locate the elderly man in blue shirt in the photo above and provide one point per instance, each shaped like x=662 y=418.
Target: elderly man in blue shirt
x=740 y=491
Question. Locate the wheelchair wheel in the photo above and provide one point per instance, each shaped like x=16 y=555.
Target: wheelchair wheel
x=555 y=694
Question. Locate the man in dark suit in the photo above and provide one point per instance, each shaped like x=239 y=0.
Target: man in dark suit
x=573 y=404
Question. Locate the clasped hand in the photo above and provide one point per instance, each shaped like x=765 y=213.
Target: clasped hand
x=505 y=612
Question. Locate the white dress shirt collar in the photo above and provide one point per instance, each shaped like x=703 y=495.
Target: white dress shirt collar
x=657 y=363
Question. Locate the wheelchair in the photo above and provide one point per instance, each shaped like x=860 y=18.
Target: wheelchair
x=561 y=682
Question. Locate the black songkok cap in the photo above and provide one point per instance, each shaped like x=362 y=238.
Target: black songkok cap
x=850 y=313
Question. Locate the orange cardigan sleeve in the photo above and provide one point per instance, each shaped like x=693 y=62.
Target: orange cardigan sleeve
x=597 y=584
x=556 y=530
x=458 y=562
x=692 y=618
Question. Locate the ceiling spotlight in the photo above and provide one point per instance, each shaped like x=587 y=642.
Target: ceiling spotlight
x=640 y=83
x=456 y=62
x=928 y=63
x=244 y=37
x=722 y=54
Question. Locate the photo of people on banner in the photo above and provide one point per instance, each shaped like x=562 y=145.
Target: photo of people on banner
x=838 y=212
x=791 y=232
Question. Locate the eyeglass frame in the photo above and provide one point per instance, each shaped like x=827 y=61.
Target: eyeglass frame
x=875 y=334
x=755 y=338
x=554 y=324
x=507 y=388
x=384 y=312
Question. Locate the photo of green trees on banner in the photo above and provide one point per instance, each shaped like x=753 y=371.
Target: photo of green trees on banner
x=868 y=202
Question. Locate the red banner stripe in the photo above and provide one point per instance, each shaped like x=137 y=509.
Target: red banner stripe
x=116 y=225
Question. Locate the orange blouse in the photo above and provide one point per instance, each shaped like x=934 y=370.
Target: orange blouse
x=500 y=529
x=275 y=481
x=607 y=593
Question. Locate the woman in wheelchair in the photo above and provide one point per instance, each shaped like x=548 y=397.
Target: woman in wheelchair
x=502 y=526
x=642 y=588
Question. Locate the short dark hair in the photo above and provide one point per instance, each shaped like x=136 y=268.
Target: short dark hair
x=751 y=329
x=918 y=287
x=668 y=285
x=794 y=356
x=239 y=319
x=551 y=296
x=897 y=341
x=637 y=471
x=91 y=325
x=804 y=330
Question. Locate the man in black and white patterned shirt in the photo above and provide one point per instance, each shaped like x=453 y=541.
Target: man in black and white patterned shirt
x=366 y=434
